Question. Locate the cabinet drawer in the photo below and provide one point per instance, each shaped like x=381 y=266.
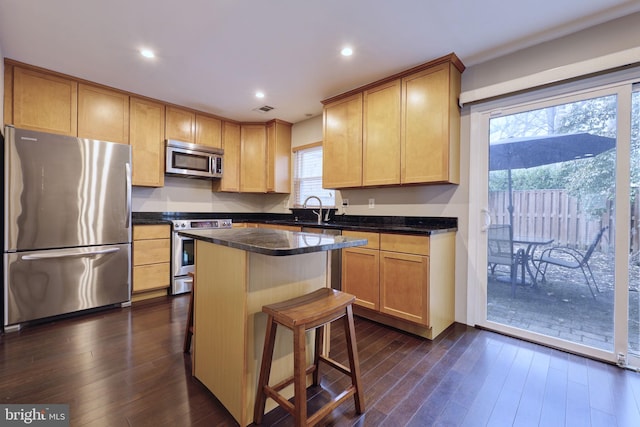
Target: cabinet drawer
x=405 y=243
x=158 y=231
x=373 y=238
x=152 y=276
x=151 y=251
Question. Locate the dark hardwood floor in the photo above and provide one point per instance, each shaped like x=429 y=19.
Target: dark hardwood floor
x=125 y=367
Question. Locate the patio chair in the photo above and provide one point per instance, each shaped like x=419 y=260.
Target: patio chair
x=566 y=257
x=501 y=252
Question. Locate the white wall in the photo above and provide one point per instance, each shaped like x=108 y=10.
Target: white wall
x=192 y=195
x=613 y=36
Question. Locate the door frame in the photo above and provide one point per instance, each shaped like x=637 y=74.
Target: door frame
x=618 y=83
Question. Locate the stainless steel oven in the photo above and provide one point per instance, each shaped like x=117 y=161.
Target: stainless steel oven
x=183 y=251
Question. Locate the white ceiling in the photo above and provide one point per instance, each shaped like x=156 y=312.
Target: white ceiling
x=212 y=55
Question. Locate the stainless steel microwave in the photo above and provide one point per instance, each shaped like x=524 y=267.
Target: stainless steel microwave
x=193 y=160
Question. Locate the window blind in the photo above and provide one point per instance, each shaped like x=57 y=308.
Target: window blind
x=307 y=179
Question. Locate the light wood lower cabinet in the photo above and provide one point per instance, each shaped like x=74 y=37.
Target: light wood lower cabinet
x=404 y=285
x=151 y=260
x=360 y=270
x=405 y=281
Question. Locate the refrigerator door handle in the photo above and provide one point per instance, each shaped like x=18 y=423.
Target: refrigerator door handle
x=65 y=254
x=127 y=167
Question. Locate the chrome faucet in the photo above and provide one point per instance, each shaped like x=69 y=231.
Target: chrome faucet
x=317 y=213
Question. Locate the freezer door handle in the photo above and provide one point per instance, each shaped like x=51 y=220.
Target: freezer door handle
x=66 y=254
x=128 y=195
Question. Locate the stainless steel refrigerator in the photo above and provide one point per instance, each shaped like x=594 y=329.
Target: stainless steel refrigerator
x=67 y=225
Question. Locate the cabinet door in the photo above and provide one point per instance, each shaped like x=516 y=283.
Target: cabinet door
x=146 y=136
x=381 y=135
x=230 y=180
x=180 y=125
x=342 y=143
x=404 y=282
x=278 y=157
x=8 y=93
x=253 y=159
x=103 y=114
x=428 y=155
x=208 y=131
x=151 y=257
x=152 y=231
x=360 y=276
x=151 y=276
x=153 y=251
x=44 y=102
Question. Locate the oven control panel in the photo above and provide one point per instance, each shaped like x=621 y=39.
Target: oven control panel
x=201 y=224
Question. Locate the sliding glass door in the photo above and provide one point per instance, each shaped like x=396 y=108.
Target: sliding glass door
x=559 y=230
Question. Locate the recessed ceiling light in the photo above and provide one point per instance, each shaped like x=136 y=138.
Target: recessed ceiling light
x=259 y=94
x=147 y=53
x=347 y=51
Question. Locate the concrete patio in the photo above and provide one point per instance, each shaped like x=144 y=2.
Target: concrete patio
x=563 y=306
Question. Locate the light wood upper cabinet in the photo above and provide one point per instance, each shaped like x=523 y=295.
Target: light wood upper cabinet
x=103 y=114
x=381 y=135
x=342 y=143
x=208 y=131
x=44 y=102
x=8 y=93
x=146 y=136
x=404 y=129
x=230 y=180
x=278 y=157
x=180 y=124
x=431 y=126
x=253 y=158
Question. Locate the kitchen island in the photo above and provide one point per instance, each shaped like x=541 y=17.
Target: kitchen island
x=237 y=272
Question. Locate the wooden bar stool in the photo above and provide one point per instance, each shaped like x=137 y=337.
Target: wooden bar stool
x=188 y=333
x=310 y=311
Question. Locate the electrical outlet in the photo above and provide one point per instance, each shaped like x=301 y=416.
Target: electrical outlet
x=345 y=203
x=372 y=203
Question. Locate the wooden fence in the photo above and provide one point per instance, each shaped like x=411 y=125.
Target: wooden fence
x=553 y=214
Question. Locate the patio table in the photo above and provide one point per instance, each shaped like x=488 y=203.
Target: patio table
x=531 y=244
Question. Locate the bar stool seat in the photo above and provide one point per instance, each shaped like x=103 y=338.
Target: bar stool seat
x=310 y=311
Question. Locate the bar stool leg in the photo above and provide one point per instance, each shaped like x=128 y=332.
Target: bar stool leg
x=265 y=369
x=317 y=352
x=188 y=333
x=354 y=362
x=300 y=376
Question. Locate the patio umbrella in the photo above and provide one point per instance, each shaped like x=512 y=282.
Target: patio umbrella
x=527 y=152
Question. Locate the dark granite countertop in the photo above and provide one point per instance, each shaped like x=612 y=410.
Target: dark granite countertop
x=304 y=218
x=273 y=242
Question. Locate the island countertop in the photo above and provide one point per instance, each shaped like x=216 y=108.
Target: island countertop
x=273 y=242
